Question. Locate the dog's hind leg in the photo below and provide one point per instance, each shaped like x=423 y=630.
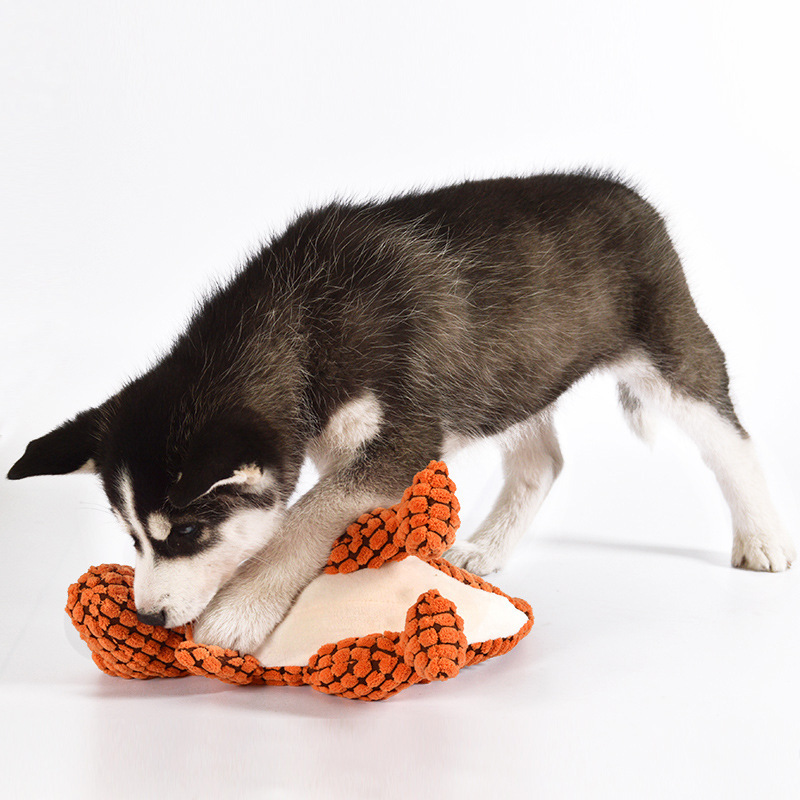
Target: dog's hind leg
x=640 y=418
x=531 y=463
x=690 y=386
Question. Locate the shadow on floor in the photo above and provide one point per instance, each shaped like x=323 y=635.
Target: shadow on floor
x=714 y=557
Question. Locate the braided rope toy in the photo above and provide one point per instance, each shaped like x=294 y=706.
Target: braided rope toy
x=383 y=559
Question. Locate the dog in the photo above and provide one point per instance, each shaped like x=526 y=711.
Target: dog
x=374 y=338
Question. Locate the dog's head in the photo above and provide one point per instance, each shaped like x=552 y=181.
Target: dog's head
x=198 y=497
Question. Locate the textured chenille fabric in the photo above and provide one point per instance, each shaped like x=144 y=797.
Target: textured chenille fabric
x=387 y=612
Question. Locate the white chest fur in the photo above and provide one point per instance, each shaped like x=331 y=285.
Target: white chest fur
x=353 y=424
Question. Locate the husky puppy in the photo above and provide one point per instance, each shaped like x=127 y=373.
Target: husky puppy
x=374 y=338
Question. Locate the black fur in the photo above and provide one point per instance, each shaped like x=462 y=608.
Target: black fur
x=464 y=310
x=66 y=449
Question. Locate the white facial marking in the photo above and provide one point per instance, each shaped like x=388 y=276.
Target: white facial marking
x=250 y=476
x=350 y=426
x=183 y=586
x=128 y=509
x=145 y=599
x=159 y=526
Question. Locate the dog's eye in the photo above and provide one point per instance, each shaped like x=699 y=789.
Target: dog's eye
x=185 y=530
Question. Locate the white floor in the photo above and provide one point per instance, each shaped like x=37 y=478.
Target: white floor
x=653 y=669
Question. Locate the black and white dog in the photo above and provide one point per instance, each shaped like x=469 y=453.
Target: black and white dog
x=374 y=338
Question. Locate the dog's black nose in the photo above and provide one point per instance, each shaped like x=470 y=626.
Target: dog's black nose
x=159 y=618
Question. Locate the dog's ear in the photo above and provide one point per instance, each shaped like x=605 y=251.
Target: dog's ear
x=72 y=447
x=237 y=449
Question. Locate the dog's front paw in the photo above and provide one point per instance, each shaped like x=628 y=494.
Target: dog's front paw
x=478 y=559
x=240 y=618
x=763 y=552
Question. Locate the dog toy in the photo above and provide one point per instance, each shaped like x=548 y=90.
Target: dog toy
x=387 y=612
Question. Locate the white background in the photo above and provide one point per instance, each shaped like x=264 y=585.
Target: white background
x=148 y=147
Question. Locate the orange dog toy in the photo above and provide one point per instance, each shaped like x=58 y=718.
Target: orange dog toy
x=385 y=574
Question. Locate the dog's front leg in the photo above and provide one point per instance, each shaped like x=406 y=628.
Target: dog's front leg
x=256 y=599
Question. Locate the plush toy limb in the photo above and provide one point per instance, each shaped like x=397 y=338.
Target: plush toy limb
x=432 y=647
x=230 y=666
x=368 y=542
x=211 y=661
x=101 y=607
x=428 y=513
x=367 y=668
x=424 y=524
x=433 y=642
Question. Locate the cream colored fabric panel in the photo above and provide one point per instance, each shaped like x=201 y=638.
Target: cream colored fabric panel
x=334 y=607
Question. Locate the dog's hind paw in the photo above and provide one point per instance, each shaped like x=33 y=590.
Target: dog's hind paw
x=474 y=558
x=763 y=553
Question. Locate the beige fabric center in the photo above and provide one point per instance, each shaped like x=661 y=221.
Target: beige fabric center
x=334 y=607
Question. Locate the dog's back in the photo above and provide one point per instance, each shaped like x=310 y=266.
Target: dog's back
x=479 y=304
